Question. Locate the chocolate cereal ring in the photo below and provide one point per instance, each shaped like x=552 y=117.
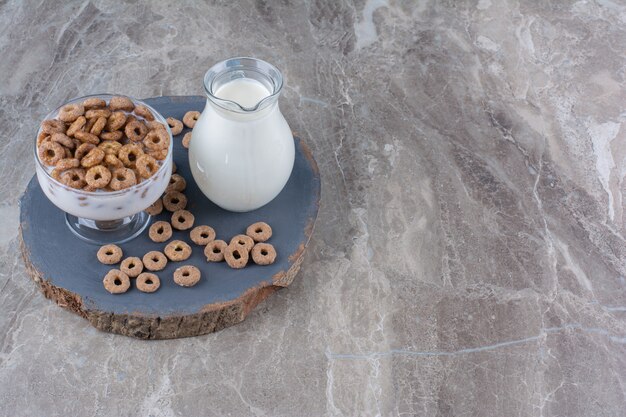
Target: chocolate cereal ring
x=129 y=154
x=116 y=282
x=157 y=139
x=116 y=121
x=113 y=161
x=263 y=254
x=186 y=140
x=190 y=118
x=259 y=231
x=110 y=254
x=176 y=126
x=122 y=178
x=95 y=113
x=63 y=139
x=121 y=103
x=74 y=178
x=160 y=231
x=98 y=126
x=94 y=103
x=93 y=158
x=159 y=155
x=147 y=282
x=135 y=130
x=117 y=135
x=147 y=166
x=155 y=208
x=177 y=250
x=110 y=147
x=187 y=276
x=174 y=201
x=87 y=137
x=52 y=126
x=131 y=266
x=243 y=241
x=177 y=183
x=214 y=251
x=143 y=111
x=83 y=149
x=67 y=163
x=182 y=220
x=50 y=153
x=71 y=112
x=154 y=260
x=202 y=235
x=236 y=256
x=98 y=176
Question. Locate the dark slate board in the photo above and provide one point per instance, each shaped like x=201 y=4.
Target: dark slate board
x=67 y=269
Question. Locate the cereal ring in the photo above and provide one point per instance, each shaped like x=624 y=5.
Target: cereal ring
x=147 y=166
x=176 y=126
x=159 y=155
x=68 y=152
x=259 y=231
x=154 y=260
x=94 y=103
x=116 y=282
x=147 y=282
x=71 y=112
x=83 y=149
x=187 y=276
x=129 y=154
x=116 y=121
x=87 y=137
x=243 y=241
x=63 y=139
x=143 y=111
x=174 y=201
x=182 y=220
x=67 y=163
x=95 y=113
x=174 y=168
x=122 y=178
x=50 y=153
x=153 y=125
x=190 y=118
x=89 y=188
x=135 y=130
x=160 y=231
x=93 y=158
x=43 y=137
x=74 y=178
x=121 y=103
x=202 y=235
x=131 y=266
x=98 y=176
x=155 y=208
x=52 y=126
x=117 y=135
x=110 y=147
x=214 y=251
x=186 y=140
x=56 y=174
x=177 y=250
x=76 y=126
x=98 y=125
x=177 y=183
x=157 y=139
x=263 y=254
x=90 y=123
x=113 y=161
x=236 y=256
x=110 y=254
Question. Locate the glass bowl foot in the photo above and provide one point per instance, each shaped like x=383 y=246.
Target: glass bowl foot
x=101 y=232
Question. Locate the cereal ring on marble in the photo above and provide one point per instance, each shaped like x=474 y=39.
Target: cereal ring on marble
x=263 y=254
x=143 y=111
x=243 y=241
x=63 y=139
x=110 y=254
x=160 y=231
x=87 y=137
x=135 y=130
x=154 y=260
x=110 y=147
x=74 y=178
x=132 y=266
x=50 y=153
x=147 y=166
x=176 y=126
x=121 y=103
x=98 y=176
x=83 y=149
x=159 y=155
x=259 y=231
x=155 y=208
x=214 y=250
x=113 y=161
x=147 y=282
x=117 y=135
x=177 y=183
x=94 y=103
x=129 y=154
x=67 y=163
x=187 y=276
x=190 y=118
x=174 y=201
x=122 y=178
x=202 y=235
x=236 y=256
x=71 y=112
x=186 y=140
x=157 y=139
x=43 y=137
x=95 y=113
x=76 y=126
x=52 y=126
x=98 y=126
x=116 y=282
x=177 y=250
x=116 y=121
x=93 y=158
x=182 y=220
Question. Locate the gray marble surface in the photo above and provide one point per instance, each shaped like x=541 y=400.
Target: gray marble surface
x=469 y=258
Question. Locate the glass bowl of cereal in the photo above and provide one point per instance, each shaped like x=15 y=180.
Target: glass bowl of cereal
x=103 y=159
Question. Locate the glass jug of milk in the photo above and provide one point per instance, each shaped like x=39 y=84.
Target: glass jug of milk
x=242 y=151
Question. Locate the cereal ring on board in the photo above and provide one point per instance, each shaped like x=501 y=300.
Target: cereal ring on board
x=148 y=282
x=160 y=231
x=202 y=235
x=154 y=260
x=187 y=140
x=182 y=220
x=177 y=183
x=190 y=118
x=132 y=266
x=187 y=276
x=116 y=282
x=110 y=254
x=176 y=126
x=243 y=241
x=263 y=254
x=236 y=256
x=259 y=231
x=214 y=251
x=177 y=250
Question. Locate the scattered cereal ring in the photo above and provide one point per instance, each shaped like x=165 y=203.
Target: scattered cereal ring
x=52 y=126
x=187 y=276
x=50 y=153
x=74 y=178
x=177 y=250
x=98 y=176
x=113 y=161
x=87 y=137
x=71 y=112
x=93 y=158
x=98 y=125
x=110 y=254
x=160 y=231
x=155 y=208
x=110 y=147
x=263 y=254
x=121 y=103
x=147 y=166
x=94 y=103
x=122 y=178
x=176 y=126
x=177 y=183
x=76 y=126
x=214 y=251
x=147 y=282
x=132 y=266
x=190 y=118
x=159 y=155
x=243 y=241
x=143 y=111
x=202 y=235
x=259 y=231
x=129 y=154
x=117 y=135
x=83 y=149
x=182 y=220
x=116 y=282
x=95 y=113
x=154 y=260
x=186 y=140
x=63 y=139
x=135 y=130
x=157 y=139
x=67 y=163
x=174 y=201
x=236 y=256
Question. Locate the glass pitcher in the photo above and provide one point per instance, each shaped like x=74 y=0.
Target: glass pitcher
x=242 y=150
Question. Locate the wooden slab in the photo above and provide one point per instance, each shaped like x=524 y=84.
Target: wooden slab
x=67 y=271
